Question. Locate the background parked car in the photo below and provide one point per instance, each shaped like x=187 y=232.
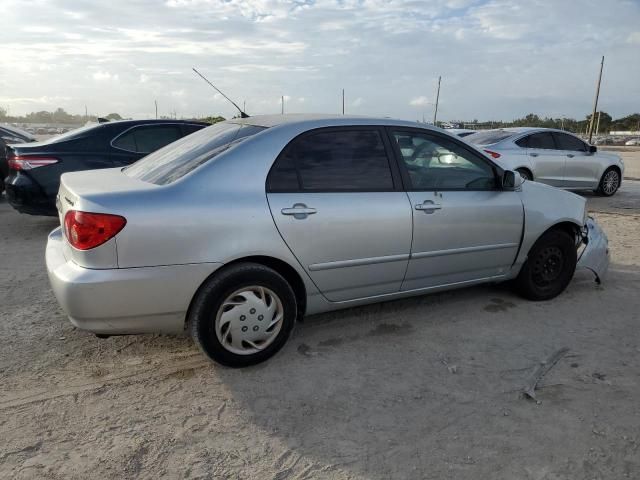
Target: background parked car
x=254 y=222
x=633 y=141
x=10 y=134
x=554 y=157
x=35 y=169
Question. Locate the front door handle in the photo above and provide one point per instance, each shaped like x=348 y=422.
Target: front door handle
x=533 y=154
x=570 y=155
x=428 y=206
x=299 y=211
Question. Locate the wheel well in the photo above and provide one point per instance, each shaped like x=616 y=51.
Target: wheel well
x=283 y=268
x=613 y=167
x=568 y=227
x=528 y=170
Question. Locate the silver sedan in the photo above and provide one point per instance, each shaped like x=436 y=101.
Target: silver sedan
x=554 y=157
x=235 y=232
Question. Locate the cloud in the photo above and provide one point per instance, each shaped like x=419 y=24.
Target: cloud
x=104 y=76
x=420 y=101
x=495 y=60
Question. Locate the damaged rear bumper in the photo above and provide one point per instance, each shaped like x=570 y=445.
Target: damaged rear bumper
x=595 y=254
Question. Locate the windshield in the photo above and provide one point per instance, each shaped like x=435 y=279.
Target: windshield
x=172 y=162
x=489 y=137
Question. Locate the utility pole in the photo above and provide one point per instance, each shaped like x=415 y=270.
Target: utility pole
x=598 y=124
x=282 y=101
x=435 y=113
x=86 y=117
x=156 y=102
x=595 y=103
x=343 y=101
x=244 y=105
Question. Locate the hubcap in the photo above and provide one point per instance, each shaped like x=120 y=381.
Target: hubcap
x=547 y=266
x=249 y=320
x=610 y=182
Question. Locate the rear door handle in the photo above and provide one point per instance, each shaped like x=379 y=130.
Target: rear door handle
x=428 y=206
x=299 y=211
x=570 y=155
x=533 y=154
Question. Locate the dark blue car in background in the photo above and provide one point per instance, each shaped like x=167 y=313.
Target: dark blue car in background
x=35 y=168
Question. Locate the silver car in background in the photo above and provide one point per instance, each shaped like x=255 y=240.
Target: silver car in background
x=554 y=157
x=235 y=232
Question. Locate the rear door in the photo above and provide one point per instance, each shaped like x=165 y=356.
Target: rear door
x=337 y=200
x=465 y=228
x=138 y=141
x=546 y=159
x=580 y=168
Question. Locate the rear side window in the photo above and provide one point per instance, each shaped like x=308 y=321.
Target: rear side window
x=541 y=140
x=172 y=162
x=147 y=138
x=569 y=142
x=489 y=137
x=335 y=160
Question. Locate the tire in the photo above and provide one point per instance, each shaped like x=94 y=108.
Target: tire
x=609 y=183
x=524 y=173
x=549 y=267
x=231 y=316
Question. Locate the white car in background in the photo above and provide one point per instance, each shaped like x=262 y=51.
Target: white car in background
x=632 y=142
x=554 y=157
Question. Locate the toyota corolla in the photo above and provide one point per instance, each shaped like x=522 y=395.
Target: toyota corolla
x=237 y=231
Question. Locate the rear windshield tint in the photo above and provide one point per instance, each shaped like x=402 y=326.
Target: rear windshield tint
x=179 y=158
x=489 y=137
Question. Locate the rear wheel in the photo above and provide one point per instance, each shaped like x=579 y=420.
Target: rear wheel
x=609 y=183
x=549 y=267
x=243 y=315
x=524 y=173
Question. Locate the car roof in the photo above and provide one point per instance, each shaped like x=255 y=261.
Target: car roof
x=324 y=120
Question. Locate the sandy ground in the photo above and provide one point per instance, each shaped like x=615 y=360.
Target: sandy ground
x=426 y=388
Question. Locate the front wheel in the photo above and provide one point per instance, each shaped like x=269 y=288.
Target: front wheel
x=609 y=183
x=243 y=315
x=549 y=267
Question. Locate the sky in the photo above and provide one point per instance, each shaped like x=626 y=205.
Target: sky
x=499 y=59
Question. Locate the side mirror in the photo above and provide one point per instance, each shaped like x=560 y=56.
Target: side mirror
x=593 y=149
x=511 y=180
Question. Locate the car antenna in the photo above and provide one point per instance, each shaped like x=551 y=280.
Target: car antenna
x=242 y=114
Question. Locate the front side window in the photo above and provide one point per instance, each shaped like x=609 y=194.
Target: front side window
x=436 y=163
x=147 y=138
x=542 y=141
x=569 y=142
x=334 y=160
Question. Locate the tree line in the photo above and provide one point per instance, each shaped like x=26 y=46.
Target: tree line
x=606 y=123
x=61 y=116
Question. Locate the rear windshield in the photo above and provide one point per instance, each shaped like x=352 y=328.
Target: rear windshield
x=488 y=137
x=179 y=158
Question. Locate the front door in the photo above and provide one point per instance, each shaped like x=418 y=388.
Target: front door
x=337 y=201
x=580 y=168
x=547 y=160
x=464 y=228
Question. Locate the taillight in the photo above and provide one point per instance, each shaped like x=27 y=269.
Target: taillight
x=29 y=163
x=493 y=154
x=85 y=230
